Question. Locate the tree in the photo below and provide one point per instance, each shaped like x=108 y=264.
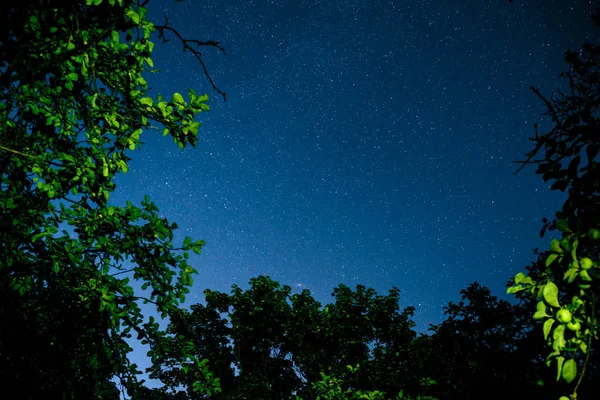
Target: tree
x=484 y=346
x=73 y=105
x=268 y=343
x=567 y=289
x=536 y=342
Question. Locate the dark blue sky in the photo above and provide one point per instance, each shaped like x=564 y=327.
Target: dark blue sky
x=363 y=142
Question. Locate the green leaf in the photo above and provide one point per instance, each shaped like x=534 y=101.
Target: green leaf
x=10 y=203
x=194 y=127
x=198 y=101
x=72 y=76
x=147 y=101
x=548 y=327
x=555 y=246
x=515 y=289
x=559 y=364
x=541 y=311
x=550 y=293
x=178 y=98
x=571 y=274
x=134 y=16
x=558 y=337
x=562 y=225
x=569 y=370
x=551 y=259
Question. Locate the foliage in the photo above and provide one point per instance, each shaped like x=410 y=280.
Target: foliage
x=73 y=104
x=75 y=268
x=567 y=289
x=483 y=347
x=331 y=388
x=268 y=343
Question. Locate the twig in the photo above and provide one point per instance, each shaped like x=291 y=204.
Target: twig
x=587 y=356
x=186 y=46
x=123 y=272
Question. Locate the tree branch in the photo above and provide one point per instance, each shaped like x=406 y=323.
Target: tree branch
x=186 y=46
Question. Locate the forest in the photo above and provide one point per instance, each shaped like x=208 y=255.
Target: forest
x=78 y=273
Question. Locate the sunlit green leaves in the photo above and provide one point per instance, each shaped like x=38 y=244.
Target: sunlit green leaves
x=562 y=162
x=133 y=16
x=70 y=125
x=571 y=274
x=541 y=311
x=178 y=99
x=558 y=337
x=550 y=293
x=147 y=101
x=569 y=370
x=555 y=246
x=521 y=278
x=583 y=347
x=522 y=282
x=515 y=289
x=560 y=360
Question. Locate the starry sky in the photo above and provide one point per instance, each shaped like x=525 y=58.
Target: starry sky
x=362 y=142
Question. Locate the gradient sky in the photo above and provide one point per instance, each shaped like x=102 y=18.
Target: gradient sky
x=362 y=142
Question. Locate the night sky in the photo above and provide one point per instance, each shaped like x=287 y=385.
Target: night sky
x=362 y=142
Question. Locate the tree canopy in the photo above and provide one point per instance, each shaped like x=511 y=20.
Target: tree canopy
x=268 y=343
x=565 y=287
x=74 y=103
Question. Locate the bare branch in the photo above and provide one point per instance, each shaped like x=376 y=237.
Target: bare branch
x=187 y=46
x=531 y=154
x=123 y=272
x=549 y=105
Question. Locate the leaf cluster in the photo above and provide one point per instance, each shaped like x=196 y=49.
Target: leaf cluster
x=567 y=282
x=74 y=103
